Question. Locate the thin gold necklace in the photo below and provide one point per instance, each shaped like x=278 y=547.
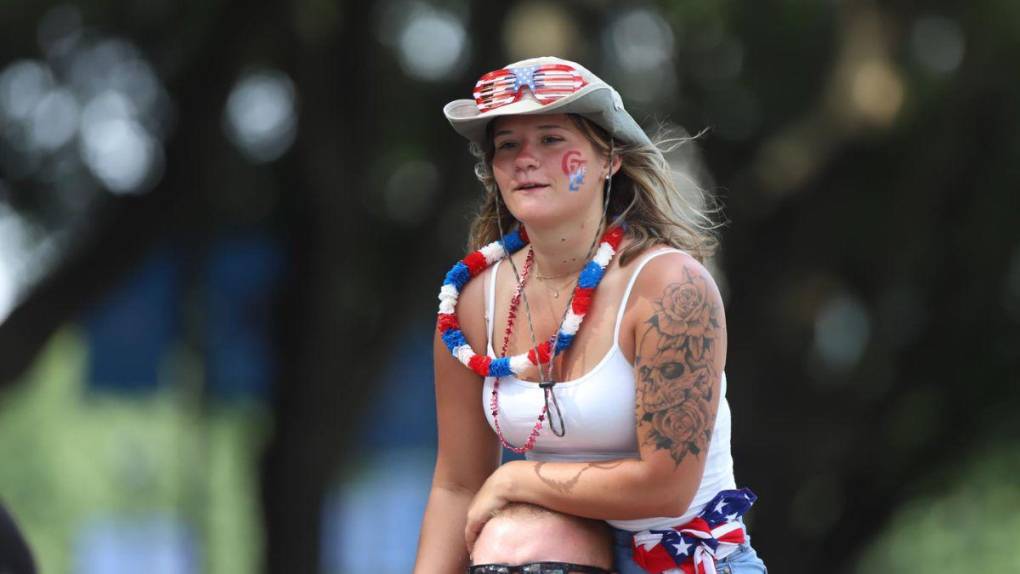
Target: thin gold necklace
x=555 y=290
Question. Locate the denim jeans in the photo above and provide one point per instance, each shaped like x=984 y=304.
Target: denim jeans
x=742 y=561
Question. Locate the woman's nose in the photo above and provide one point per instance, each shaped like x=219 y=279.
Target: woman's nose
x=525 y=158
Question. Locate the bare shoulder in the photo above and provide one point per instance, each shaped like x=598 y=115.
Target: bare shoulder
x=673 y=268
x=677 y=293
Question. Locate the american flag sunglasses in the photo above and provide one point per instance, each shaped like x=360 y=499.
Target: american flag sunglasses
x=548 y=83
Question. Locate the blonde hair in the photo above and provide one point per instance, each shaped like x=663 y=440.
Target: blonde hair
x=644 y=192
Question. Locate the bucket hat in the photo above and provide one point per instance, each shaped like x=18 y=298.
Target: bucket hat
x=545 y=85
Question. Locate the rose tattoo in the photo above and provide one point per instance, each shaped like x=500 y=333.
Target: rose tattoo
x=675 y=389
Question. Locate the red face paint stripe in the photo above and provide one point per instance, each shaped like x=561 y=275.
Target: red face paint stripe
x=571 y=161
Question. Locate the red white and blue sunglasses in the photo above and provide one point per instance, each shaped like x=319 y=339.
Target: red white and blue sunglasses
x=548 y=83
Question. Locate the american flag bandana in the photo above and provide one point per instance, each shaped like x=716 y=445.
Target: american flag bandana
x=693 y=548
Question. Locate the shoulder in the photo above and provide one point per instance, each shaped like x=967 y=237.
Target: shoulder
x=659 y=266
x=673 y=279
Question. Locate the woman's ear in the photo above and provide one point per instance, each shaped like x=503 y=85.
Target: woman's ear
x=615 y=167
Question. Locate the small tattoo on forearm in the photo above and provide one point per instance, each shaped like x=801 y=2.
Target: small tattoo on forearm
x=567 y=486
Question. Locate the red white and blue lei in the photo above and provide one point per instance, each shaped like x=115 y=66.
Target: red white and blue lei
x=476 y=262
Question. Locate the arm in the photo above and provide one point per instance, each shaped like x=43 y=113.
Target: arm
x=679 y=339
x=468 y=451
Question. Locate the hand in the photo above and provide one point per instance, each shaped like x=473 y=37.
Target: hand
x=490 y=498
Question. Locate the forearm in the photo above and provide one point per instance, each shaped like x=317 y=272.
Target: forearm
x=441 y=548
x=623 y=489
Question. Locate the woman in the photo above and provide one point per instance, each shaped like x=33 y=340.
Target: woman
x=597 y=347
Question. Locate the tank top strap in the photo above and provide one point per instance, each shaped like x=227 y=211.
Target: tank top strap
x=630 y=286
x=490 y=304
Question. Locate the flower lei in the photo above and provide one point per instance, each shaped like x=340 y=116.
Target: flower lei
x=476 y=262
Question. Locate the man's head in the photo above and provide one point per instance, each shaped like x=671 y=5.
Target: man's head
x=526 y=534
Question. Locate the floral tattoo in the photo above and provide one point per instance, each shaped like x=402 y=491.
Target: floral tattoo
x=676 y=369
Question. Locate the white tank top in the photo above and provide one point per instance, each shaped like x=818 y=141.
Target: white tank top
x=598 y=412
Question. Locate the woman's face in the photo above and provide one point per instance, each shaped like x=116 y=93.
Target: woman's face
x=546 y=169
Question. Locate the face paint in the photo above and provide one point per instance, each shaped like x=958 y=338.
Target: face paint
x=577 y=178
x=574 y=167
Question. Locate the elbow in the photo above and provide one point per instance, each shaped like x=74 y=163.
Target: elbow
x=673 y=496
x=666 y=504
x=679 y=503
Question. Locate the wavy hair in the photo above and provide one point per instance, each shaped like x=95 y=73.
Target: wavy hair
x=645 y=195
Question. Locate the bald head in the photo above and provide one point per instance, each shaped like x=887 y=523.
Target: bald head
x=524 y=533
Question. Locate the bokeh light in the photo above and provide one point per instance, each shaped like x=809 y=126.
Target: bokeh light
x=115 y=147
x=410 y=191
x=842 y=330
x=642 y=39
x=101 y=94
x=937 y=43
x=261 y=114
x=22 y=85
x=535 y=29
x=640 y=46
x=54 y=120
x=877 y=92
x=430 y=42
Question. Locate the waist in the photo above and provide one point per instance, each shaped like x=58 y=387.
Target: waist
x=715 y=534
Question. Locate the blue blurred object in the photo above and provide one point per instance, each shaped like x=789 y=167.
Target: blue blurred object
x=242 y=274
x=154 y=544
x=387 y=496
x=404 y=408
x=129 y=331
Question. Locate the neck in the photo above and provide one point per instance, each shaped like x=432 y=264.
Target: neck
x=563 y=249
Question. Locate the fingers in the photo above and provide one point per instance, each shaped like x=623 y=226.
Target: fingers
x=471 y=532
x=475 y=523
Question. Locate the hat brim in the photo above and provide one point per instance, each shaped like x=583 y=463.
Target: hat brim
x=594 y=102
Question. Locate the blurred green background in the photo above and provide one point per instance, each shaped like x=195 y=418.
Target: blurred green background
x=222 y=225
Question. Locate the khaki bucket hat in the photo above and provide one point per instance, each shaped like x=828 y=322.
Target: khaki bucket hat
x=527 y=87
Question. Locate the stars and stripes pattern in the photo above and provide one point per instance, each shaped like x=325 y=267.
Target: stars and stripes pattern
x=694 y=547
x=476 y=262
x=548 y=83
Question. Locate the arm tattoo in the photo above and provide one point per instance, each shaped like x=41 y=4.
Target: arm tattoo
x=567 y=486
x=677 y=377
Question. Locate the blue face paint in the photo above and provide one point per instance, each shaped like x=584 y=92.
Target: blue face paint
x=573 y=166
x=577 y=178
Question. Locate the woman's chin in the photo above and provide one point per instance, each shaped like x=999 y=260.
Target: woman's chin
x=540 y=217
x=548 y=209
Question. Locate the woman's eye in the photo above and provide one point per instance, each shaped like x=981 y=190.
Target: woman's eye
x=505 y=145
x=552 y=139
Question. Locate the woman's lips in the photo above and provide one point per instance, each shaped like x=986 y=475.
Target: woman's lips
x=530 y=186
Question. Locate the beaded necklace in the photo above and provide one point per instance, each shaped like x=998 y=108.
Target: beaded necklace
x=494 y=400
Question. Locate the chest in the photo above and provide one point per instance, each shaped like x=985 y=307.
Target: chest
x=540 y=311
x=597 y=413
